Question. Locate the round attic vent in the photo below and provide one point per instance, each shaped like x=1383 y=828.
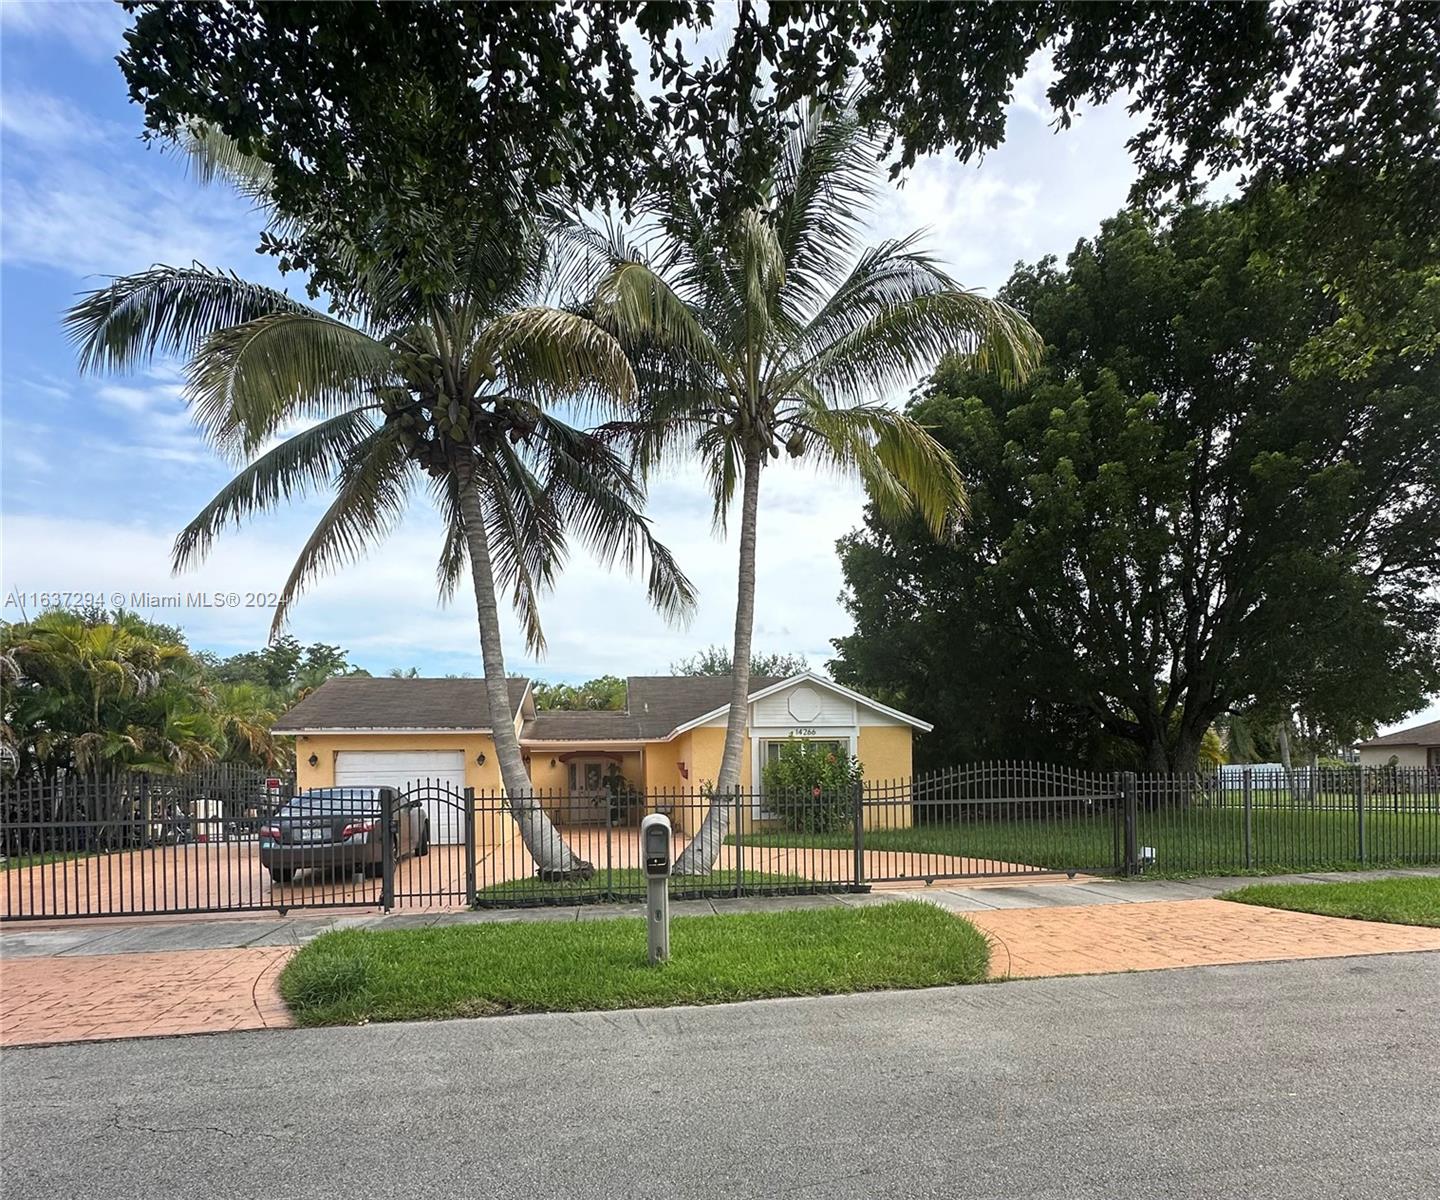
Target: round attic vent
x=804 y=704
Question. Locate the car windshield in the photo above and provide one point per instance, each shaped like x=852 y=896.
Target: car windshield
x=332 y=800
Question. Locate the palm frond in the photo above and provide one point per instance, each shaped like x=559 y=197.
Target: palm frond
x=369 y=501
x=905 y=338
x=247 y=381
x=692 y=253
x=903 y=468
x=307 y=462
x=583 y=255
x=525 y=531
x=592 y=485
x=825 y=181
x=213 y=154
x=555 y=355
x=454 y=551
x=637 y=304
x=763 y=267
x=165 y=310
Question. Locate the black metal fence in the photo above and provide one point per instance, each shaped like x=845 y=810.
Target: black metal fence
x=212 y=841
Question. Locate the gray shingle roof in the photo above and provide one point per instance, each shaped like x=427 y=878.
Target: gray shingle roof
x=657 y=705
x=357 y=702
x=1417 y=735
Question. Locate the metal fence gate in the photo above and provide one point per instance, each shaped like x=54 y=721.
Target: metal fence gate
x=130 y=845
x=437 y=868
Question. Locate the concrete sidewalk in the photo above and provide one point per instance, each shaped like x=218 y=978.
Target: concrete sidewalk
x=156 y=935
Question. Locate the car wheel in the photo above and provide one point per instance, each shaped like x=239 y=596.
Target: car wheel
x=281 y=875
x=424 y=847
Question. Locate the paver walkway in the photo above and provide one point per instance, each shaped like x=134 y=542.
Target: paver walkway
x=1099 y=939
x=82 y=980
x=87 y=997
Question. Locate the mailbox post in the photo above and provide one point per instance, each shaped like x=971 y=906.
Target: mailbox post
x=656 y=848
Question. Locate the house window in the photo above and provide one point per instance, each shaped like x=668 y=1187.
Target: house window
x=1432 y=756
x=771 y=750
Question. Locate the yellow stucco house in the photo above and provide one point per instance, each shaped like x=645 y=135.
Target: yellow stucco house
x=667 y=742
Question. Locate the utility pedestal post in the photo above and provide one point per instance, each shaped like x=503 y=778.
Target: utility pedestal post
x=656 y=846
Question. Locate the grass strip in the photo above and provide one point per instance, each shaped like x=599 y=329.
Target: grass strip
x=353 y=976
x=1414 y=901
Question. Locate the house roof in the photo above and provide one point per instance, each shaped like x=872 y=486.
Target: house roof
x=657 y=706
x=360 y=703
x=1417 y=735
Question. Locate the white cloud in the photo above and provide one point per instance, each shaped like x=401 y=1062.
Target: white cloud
x=47 y=121
x=95 y=28
x=386 y=612
x=92 y=222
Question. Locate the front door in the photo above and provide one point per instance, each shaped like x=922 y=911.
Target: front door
x=589 y=799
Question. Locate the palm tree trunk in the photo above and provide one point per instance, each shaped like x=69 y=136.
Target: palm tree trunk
x=700 y=855
x=553 y=858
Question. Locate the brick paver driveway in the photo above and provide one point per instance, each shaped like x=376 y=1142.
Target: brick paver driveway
x=88 y=997
x=1098 y=939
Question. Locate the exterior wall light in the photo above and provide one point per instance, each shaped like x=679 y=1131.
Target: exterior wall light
x=480 y=758
x=313 y=760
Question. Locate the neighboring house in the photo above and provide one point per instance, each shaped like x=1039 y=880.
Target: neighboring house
x=1418 y=746
x=354 y=731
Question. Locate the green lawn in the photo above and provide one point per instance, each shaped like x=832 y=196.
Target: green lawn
x=16 y=862
x=1187 y=841
x=1398 y=901
x=630 y=884
x=356 y=975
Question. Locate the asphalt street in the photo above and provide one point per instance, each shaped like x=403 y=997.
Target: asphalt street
x=1289 y=1080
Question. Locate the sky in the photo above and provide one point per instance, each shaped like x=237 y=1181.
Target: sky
x=98 y=474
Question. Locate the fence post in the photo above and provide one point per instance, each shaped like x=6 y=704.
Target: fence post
x=610 y=849
x=387 y=850
x=739 y=843
x=1249 y=810
x=1128 y=785
x=1360 y=814
x=859 y=847
x=472 y=893
x=143 y=832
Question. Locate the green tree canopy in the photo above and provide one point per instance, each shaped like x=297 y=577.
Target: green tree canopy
x=604 y=693
x=718 y=660
x=379 y=119
x=103 y=695
x=1197 y=508
x=283 y=665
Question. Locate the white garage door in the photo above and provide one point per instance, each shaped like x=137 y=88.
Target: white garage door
x=408 y=769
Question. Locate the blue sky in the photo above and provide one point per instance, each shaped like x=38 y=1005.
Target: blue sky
x=100 y=473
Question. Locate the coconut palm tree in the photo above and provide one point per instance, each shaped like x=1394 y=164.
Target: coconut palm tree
x=775 y=331
x=464 y=385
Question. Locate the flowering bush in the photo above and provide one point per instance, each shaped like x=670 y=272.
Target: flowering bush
x=811 y=786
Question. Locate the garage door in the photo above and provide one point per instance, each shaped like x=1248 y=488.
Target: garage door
x=408 y=769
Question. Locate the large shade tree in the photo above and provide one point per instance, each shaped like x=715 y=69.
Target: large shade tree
x=1207 y=503
x=464 y=390
x=378 y=115
x=776 y=333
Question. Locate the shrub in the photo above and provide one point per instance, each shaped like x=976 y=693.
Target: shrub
x=811 y=786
